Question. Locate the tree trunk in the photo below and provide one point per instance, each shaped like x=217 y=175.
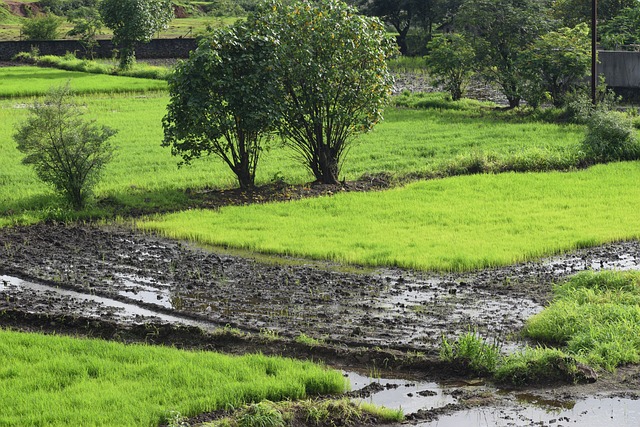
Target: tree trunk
x=328 y=166
x=246 y=179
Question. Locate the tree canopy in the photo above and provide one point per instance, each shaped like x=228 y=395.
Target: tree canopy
x=134 y=21
x=224 y=100
x=331 y=65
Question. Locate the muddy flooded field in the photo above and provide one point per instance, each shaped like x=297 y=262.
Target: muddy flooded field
x=82 y=278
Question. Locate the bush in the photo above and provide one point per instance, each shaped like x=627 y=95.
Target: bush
x=65 y=150
x=610 y=137
x=451 y=61
x=41 y=28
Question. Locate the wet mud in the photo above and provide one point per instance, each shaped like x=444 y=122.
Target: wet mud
x=114 y=282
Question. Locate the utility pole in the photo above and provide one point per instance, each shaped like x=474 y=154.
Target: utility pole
x=594 y=50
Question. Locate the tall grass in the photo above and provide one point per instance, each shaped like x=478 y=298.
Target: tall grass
x=62 y=381
x=459 y=223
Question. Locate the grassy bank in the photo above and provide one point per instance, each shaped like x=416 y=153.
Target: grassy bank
x=459 y=223
x=62 y=381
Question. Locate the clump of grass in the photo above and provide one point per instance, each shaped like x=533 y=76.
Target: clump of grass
x=471 y=353
x=327 y=412
x=407 y=64
x=596 y=315
x=595 y=318
x=535 y=366
x=307 y=340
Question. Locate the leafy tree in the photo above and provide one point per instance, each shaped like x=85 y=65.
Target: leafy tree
x=41 y=28
x=559 y=61
x=223 y=101
x=574 y=12
x=87 y=24
x=402 y=15
x=501 y=30
x=451 y=61
x=64 y=149
x=331 y=65
x=622 y=30
x=134 y=21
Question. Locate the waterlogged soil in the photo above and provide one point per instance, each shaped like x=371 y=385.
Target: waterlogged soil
x=122 y=284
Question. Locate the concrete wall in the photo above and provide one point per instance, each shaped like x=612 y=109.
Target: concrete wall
x=620 y=69
x=157 y=48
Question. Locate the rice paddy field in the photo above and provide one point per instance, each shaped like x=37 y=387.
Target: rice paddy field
x=64 y=381
x=452 y=223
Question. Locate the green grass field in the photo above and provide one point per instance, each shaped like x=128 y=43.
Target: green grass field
x=63 y=381
x=143 y=174
x=33 y=81
x=458 y=223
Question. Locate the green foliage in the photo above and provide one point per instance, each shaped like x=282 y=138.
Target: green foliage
x=471 y=353
x=41 y=28
x=622 y=30
x=63 y=381
x=500 y=31
x=134 y=21
x=610 y=137
x=574 y=12
x=67 y=7
x=596 y=315
x=557 y=63
x=64 y=149
x=87 y=24
x=402 y=15
x=222 y=102
x=263 y=414
x=451 y=61
x=331 y=65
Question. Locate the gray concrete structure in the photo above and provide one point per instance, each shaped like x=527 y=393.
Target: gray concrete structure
x=620 y=69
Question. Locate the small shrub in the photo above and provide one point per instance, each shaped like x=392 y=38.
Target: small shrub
x=41 y=28
x=65 y=150
x=610 y=137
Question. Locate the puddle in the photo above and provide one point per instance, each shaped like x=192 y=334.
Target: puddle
x=93 y=305
x=598 y=411
x=145 y=290
x=408 y=395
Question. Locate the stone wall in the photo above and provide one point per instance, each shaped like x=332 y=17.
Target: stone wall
x=157 y=48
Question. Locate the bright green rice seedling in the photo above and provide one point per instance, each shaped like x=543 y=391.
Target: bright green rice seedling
x=30 y=81
x=459 y=223
x=62 y=381
x=596 y=315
